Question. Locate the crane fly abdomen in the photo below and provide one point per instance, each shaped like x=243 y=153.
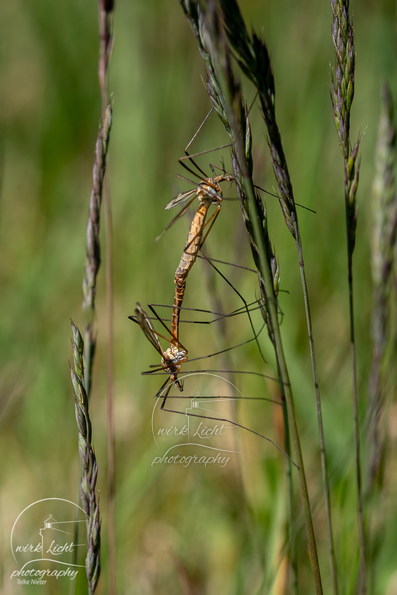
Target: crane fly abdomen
x=193 y=242
x=209 y=192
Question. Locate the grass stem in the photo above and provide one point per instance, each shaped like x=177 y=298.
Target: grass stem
x=254 y=60
x=342 y=97
x=106 y=8
x=226 y=99
x=89 y=464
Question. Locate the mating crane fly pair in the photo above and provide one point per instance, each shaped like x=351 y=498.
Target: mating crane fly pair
x=208 y=192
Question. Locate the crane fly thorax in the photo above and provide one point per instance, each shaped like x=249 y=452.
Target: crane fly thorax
x=210 y=191
x=209 y=194
x=171 y=359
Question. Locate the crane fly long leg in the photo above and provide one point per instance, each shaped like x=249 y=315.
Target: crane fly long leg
x=278 y=197
x=191 y=171
x=253 y=307
x=241 y=297
x=167 y=392
x=190 y=156
x=223 y=397
x=234 y=423
x=209 y=371
x=211 y=220
x=199 y=128
x=230 y=264
x=195 y=359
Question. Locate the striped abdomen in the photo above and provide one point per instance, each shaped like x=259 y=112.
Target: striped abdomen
x=193 y=245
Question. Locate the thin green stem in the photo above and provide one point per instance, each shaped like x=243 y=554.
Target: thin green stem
x=290 y=402
x=383 y=242
x=106 y=8
x=225 y=96
x=361 y=529
x=89 y=464
x=254 y=60
x=342 y=94
x=110 y=400
x=327 y=496
x=291 y=537
x=232 y=114
x=291 y=415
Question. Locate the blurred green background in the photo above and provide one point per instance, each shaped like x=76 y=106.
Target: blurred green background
x=216 y=530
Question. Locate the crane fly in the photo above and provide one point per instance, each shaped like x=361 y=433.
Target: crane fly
x=176 y=354
x=209 y=193
x=171 y=358
x=171 y=364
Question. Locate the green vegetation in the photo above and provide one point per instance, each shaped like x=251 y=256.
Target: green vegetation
x=195 y=529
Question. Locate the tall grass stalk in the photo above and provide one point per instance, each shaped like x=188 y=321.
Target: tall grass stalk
x=342 y=94
x=383 y=243
x=105 y=17
x=383 y=239
x=275 y=271
x=226 y=96
x=93 y=251
x=88 y=461
x=254 y=60
x=267 y=317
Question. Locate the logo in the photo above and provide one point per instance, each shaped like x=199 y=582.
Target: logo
x=196 y=427
x=48 y=542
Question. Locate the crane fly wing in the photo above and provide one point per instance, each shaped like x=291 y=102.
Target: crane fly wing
x=192 y=195
x=147 y=327
x=181 y=198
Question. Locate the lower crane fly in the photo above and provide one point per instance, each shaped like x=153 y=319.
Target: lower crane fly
x=171 y=359
x=171 y=363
